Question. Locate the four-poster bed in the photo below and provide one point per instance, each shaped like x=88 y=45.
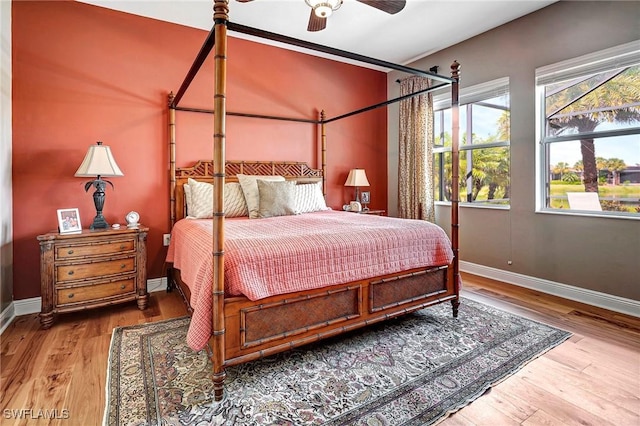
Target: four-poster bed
x=242 y=329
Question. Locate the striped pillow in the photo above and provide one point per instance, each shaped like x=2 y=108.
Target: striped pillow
x=199 y=197
x=308 y=198
x=234 y=203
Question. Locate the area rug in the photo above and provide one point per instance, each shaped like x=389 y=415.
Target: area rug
x=412 y=370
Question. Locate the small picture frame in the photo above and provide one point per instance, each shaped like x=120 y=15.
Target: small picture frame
x=69 y=221
x=365 y=197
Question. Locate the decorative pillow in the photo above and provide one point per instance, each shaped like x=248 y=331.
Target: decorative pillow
x=250 y=191
x=199 y=197
x=309 y=198
x=234 y=203
x=200 y=202
x=276 y=198
x=187 y=197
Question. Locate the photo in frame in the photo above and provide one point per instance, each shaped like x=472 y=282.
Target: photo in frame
x=69 y=221
x=365 y=197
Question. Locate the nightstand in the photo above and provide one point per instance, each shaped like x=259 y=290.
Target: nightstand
x=375 y=212
x=92 y=269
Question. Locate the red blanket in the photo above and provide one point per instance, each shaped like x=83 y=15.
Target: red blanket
x=265 y=257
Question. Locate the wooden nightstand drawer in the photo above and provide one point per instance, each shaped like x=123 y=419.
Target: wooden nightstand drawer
x=96 y=291
x=93 y=270
x=86 y=250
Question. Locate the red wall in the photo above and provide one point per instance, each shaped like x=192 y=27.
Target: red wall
x=83 y=74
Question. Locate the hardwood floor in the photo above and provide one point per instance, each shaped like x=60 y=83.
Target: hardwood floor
x=591 y=379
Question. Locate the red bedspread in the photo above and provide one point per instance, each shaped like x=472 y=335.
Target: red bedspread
x=266 y=257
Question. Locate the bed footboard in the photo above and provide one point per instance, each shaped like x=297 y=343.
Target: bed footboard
x=262 y=328
x=255 y=329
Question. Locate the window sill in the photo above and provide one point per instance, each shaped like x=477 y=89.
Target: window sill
x=475 y=205
x=599 y=215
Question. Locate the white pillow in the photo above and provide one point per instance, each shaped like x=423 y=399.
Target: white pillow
x=308 y=198
x=250 y=191
x=200 y=202
x=234 y=203
x=199 y=197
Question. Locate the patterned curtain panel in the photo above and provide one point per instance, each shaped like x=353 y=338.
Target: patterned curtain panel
x=415 y=180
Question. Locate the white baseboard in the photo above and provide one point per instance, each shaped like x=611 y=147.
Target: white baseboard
x=577 y=294
x=33 y=305
x=7 y=316
x=17 y=308
x=27 y=306
x=156 y=284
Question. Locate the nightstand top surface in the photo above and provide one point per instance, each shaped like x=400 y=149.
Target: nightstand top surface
x=371 y=211
x=91 y=233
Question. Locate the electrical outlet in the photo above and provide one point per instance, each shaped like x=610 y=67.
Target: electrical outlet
x=166 y=239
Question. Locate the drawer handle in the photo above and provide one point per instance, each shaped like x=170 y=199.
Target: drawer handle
x=70 y=252
x=71 y=295
x=123 y=266
x=71 y=272
x=122 y=246
x=122 y=287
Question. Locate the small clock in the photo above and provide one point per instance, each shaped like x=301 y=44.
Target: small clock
x=132 y=219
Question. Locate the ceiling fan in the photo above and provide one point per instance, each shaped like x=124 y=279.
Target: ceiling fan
x=322 y=9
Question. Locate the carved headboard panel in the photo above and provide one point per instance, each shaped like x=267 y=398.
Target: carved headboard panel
x=203 y=171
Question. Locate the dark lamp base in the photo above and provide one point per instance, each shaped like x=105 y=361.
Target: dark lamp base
x=99 y=223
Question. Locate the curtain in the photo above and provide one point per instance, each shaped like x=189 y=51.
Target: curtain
x=415 y=180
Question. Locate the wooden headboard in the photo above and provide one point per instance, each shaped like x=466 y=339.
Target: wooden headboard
x=203 y=172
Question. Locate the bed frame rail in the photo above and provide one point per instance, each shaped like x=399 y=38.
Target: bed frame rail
x=258 y=329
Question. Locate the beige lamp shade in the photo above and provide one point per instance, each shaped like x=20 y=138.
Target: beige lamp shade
x=357 y=177
x=98 y=162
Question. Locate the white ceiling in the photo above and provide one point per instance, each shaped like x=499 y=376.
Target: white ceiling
x=421 y=28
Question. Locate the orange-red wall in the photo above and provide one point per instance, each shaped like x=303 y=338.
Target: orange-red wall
x=83 y=74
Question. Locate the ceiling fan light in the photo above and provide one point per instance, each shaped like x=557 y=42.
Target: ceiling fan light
x=322 y=11
x=324 y=8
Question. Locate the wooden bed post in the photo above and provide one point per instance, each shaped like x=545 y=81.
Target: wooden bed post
x=220 y=18
x=323 y=141
x=455 y=189
x=172 y=160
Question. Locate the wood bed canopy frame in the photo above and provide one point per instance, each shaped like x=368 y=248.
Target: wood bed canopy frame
x=244 y=330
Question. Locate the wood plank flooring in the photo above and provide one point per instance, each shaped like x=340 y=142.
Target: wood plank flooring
x=591 y=379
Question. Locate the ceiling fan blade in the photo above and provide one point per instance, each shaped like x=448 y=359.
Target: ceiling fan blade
x=316 y=23
x=389 y=6
x=244 y=1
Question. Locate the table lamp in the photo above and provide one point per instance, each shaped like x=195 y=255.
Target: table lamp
x=357 y=178
x=97 y=163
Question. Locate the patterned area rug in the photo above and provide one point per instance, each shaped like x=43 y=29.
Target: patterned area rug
x=413 y=370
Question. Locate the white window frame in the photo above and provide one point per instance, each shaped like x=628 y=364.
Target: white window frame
x=608 y=59
x=468 y=95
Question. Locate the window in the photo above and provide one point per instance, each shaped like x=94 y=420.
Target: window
x=589 y=132
x=484 y=144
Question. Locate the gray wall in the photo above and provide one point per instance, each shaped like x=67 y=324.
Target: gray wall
x=600 y=254
x=6 y=235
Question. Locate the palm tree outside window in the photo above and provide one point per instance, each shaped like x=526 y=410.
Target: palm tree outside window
x=589 y=117
x=484 y=145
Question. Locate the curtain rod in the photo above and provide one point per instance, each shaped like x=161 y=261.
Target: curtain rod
x=433 y=69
